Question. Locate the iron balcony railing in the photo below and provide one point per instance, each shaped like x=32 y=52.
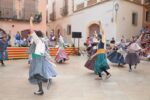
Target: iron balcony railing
x=6 y=13
x=24 y=15
x=53 y=16
x=64 y=11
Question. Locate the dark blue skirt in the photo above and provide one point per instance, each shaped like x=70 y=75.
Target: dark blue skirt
x=4 y=55
x=116 y=57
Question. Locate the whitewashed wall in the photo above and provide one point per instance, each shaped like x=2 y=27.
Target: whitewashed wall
x=81 y=20
x=106 y=14
x=124 y=21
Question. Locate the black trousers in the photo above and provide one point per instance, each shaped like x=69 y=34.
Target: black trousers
x=107 y=73
x=2 y=62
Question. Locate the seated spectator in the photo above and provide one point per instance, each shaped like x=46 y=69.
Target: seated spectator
x=145 y=29
x=17 y=39
x=113 y=41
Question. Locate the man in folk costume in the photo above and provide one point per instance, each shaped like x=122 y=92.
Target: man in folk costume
x=4 y=40
x=61 y=55
x=41 y=68
x=132 y=58
x=101 y=64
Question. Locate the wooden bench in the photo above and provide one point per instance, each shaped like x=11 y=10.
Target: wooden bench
x=22 y=52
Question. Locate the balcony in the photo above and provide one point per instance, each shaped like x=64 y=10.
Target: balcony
x=147 y=4
x=136 y=1
x=10 y=14
x=91 y=2
x=80 y=6
x=53 y=16
x=6 y=13
x=64 y=11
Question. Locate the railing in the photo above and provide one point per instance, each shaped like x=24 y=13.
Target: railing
x=53 y=16
x=91 y=2
x=18 y=10
x=64 y=11
x=147 y=2
x=136 y=1
x=7 y=13
x=24 y=15
x=80 y=6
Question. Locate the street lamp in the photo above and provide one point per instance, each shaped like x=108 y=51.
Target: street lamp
x=116 y=7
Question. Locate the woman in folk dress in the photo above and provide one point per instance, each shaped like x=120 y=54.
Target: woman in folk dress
x=61 y=55
x=41 y=68
x=132 y=57
x=101 y=64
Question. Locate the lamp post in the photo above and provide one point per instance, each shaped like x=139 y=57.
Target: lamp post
x=115 y=15
x=116 y=10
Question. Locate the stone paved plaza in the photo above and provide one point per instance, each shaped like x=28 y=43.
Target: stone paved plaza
x=75 y=82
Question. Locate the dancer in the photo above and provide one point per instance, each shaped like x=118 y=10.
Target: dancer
x=116 y=54
x=132 y=58
x=101 y=64
x=52 y=39
x=4 y=40
x=61 y=55
x=93 y=48
x=41 y=68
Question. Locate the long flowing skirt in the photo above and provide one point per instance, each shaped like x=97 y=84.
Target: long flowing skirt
x=116 y=57
x=132 y=58
x=101 y=63
x=61 y=56
x=41 y=69
x=4 y=55
x=90 y=63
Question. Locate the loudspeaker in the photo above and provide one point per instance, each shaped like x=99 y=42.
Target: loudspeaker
x=76 y=35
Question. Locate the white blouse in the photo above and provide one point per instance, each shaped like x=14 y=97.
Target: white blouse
x=40 y=46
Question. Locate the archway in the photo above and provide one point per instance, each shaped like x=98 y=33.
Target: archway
x=92 y=28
